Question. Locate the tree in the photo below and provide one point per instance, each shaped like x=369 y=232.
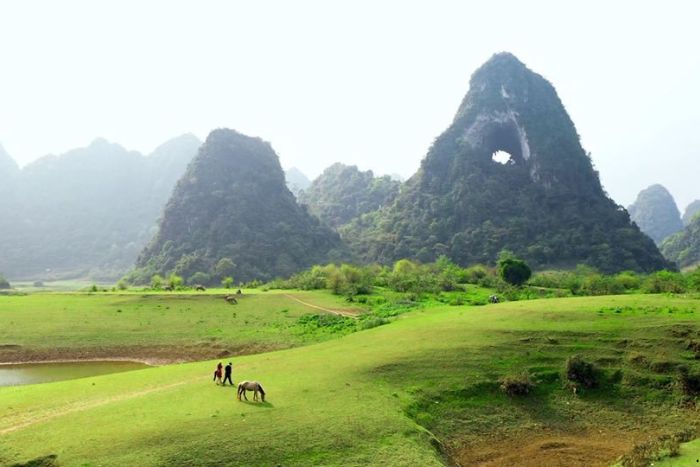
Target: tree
x=514 y=271
x=4 y=284
x=224 y=268
x=175 y=281
x=227 y=282
x=156 y=281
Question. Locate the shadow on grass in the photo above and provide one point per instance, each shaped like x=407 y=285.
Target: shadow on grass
x=262 y=405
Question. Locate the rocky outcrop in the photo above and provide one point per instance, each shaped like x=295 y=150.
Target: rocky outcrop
x=656 y=213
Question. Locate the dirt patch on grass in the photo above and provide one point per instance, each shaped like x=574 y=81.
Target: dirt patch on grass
x=551 y=449
x=150 y=354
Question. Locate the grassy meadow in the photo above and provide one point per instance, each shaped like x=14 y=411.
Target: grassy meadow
x=423 y=389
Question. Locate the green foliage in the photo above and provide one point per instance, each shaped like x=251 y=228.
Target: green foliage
x=665 y=282
x=232 y=215
x=199 y=278
x=550 y=210
x=656 y=213
x=514 y=271
x=227 y=282
x=122 y=284
x=156 y=281
x=175 y=281
x=684 y=247
x=517 y=385
x=4 y=284
x=579 y=371
x=342 y=193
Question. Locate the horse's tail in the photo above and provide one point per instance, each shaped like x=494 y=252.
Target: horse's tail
x=262 y=391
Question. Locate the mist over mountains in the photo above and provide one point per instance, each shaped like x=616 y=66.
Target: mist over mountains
x=508 y=173
x=88 y=212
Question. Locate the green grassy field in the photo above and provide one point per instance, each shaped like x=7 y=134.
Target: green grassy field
x=155 y=326
x=422 y=390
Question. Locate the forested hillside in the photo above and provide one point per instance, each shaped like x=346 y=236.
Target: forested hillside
x=232 y=214
x=544 y=202
x=656 y=213
x=344 y=192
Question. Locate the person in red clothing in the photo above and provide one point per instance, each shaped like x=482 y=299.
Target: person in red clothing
x=218 y=373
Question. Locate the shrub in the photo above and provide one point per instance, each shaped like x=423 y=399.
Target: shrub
x=4 y=284
x=227 y=282
x=514 y=271
x=156 y=281
x=199 y=278
x=689 y=382
x=517 y=385
x=175 y=281
x=122 y=284
x=473 y=274
x=582 y=372
x=665 y=282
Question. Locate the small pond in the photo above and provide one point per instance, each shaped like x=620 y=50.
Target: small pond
x=32 y=373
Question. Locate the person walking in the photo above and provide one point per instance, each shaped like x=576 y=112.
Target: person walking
x=227 y=373
x=218 y=372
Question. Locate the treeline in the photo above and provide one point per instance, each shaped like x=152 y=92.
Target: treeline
x=445 y=276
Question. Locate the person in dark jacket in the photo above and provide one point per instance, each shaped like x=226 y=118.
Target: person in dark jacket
x=227 y=373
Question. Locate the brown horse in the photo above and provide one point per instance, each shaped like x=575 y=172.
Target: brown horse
x=254 y=386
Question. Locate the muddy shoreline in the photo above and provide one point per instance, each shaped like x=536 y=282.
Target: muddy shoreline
x=153 y=355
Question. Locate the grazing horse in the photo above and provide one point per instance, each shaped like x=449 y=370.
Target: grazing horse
x=494 y=299
x=254 y=386
x=199 y=288
x=231 y=299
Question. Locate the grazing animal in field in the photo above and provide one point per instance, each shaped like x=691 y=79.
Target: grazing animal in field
x=238 y=292
x=254 y=386
x=168 y=288
x=231 y=299
x=200 y=288
x=494 y=299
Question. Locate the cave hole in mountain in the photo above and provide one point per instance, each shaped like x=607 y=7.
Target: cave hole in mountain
x=502 y=157
x=502 y=141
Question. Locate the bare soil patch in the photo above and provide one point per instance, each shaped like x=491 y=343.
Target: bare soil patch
x=546 y=449
x=150 y=354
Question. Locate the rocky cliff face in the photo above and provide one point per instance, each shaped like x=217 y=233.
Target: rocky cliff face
x=656 y=213
x=232 y=204
x=297 y=181
x=545 y=202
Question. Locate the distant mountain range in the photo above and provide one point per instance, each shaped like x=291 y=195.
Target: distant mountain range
x=88 y=212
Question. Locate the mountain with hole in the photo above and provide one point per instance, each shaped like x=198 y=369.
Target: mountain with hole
x=232 y=214
x=508 y=173
x=656 y=213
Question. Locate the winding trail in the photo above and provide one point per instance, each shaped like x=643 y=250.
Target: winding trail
x=50 y=415
x=349 y=314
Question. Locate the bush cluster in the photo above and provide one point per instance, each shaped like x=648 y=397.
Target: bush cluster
x=581 y=372
x=517 y=385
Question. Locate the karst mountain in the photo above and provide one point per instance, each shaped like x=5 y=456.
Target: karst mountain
x=656 y=213
x=543 y=201
x=232 y=214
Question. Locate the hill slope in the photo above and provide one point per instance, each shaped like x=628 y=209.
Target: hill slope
x=684 y=246
x=296 y=180
x=545 y=203
x=690 y=211
x=90 y=211
x=656 y=213
x=371 y=397
x=232 y=204
x=343 y=192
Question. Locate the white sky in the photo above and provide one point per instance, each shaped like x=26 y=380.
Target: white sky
x=370 y=83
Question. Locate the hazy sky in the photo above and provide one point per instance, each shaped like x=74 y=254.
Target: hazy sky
x=365 y=82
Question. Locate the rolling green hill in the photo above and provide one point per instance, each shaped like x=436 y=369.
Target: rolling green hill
x=421 y=390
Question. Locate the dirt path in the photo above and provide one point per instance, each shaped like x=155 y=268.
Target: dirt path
x=79 y=407
x=348 y=313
